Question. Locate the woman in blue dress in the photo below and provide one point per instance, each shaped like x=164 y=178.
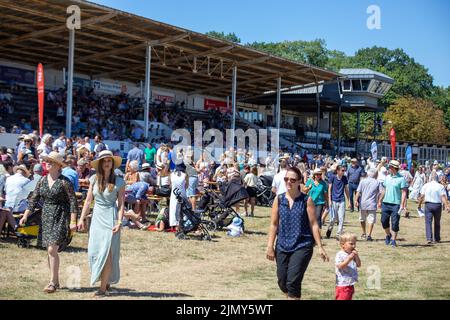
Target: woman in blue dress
x=108 y=191
x=294 y=224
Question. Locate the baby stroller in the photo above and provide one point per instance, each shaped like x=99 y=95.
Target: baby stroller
x=31 y=230
x=264 y=194
x=190 y=220
x=218 y=208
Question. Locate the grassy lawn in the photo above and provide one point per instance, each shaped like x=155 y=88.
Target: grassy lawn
x=158 y=266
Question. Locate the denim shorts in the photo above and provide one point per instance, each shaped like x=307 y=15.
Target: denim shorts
x=390 y=211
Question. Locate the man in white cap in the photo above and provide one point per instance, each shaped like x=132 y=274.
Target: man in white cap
x=392 y=202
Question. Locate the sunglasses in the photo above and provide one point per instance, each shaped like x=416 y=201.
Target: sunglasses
x=291 y=180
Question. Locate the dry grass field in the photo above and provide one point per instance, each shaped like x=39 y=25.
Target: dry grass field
x=159 y=266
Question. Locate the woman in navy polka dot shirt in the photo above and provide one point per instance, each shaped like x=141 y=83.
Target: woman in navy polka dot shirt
x=294 y=225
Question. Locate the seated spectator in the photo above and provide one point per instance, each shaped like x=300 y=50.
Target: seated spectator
x=162 y=220
x=146 y=176
x=132 y=176
x=137 y=194
x=134 y=217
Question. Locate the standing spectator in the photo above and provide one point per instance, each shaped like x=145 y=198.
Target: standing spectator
x=337 y=191
x=367 y=195
x=250 y=182
x=293 y=223
x=192 y=174
x=179 y=182
x=318 y=191
x=135 y=154
x=354 y=176
x=87 y=143
x=59 y=213
x=434 y=195
x=347 y=263
x=150 y=153
x=278 y=185
x=392 y=201
x=417 y=184
x=27 y=154
x=108 y=191
x=409 y=179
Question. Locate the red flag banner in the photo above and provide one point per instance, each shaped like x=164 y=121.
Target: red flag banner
x=40 y=90
x=393 y=142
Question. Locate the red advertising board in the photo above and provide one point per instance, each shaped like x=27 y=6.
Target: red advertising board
x=40 y=90
x=221 y=106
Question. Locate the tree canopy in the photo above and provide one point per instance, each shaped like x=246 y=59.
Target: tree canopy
x=412 y=79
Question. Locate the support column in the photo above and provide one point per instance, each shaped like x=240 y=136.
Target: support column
x=318 y=118
x=278 y=107
x=70 y=83
x=339 y=128
x=147 y=89
x=358 y=127
x=233 y=102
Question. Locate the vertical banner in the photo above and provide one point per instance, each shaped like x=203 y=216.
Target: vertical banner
x=40 y=90
x=374 y=150
x=409 y=157
x=393 y=141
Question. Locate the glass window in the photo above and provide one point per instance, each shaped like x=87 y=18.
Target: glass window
x=365 y=85
x=347 y=85
x=356 y=85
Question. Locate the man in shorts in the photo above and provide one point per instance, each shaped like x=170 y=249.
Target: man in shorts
x=368 y=191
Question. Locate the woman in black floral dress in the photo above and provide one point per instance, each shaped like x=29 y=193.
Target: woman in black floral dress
x=59 y=213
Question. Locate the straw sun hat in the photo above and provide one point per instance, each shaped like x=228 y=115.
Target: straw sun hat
x=107 y=154
x=54 y=157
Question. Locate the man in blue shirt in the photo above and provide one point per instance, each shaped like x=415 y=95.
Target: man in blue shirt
x=71 y=173
x=337 y=191
x=354 y=176
x=392 y=201
x=135 y=154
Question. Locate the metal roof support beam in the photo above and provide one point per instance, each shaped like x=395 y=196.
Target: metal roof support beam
x=59 y=28
x=70 y=83
x=148 y=61
x=233 y=102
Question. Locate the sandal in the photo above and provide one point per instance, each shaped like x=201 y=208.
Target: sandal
x=51 y=287
x=100 y=293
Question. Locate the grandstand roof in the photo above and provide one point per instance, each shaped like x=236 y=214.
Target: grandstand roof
x=112 y=44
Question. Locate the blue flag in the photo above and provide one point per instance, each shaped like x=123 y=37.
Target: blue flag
x=409 y=157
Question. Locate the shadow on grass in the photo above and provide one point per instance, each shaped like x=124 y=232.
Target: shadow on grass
x=258 y=233
x=125 y=292
x=75 y=249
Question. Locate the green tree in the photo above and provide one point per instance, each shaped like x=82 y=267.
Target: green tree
x=416 y=119
x=311 y=52
x=221 y=35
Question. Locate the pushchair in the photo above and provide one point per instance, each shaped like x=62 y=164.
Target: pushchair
x=31 y=230
x=264 y=194
x=190 y=220
x=218 y=208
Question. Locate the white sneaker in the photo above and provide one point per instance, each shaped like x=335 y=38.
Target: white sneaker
x=420 y=213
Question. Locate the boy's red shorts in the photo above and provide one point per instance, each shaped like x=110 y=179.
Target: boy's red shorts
x=345 y=293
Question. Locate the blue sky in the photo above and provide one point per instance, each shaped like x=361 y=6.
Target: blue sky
x=421 y=28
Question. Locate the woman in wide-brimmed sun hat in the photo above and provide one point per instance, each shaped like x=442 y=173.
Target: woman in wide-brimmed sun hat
x=104 y=234
x=59 y=213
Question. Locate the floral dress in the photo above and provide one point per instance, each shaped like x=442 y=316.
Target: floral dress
x=58 y=202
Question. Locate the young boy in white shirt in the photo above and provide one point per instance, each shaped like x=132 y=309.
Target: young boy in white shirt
x=347 y=263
